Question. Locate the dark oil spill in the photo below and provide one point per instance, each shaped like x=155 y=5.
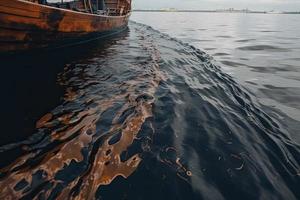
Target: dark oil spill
x=142 y=116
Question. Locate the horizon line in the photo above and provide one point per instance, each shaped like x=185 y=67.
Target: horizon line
x=228 y=10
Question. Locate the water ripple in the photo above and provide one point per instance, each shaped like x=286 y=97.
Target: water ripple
x=153 y=117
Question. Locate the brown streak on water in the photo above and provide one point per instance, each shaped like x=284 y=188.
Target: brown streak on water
x=78 y=131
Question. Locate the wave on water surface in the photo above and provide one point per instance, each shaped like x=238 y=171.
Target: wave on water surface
x=151 y=117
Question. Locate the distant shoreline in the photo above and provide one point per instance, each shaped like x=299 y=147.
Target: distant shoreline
x=217 y=11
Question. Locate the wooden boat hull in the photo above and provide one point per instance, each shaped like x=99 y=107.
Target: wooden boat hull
x=27 y=26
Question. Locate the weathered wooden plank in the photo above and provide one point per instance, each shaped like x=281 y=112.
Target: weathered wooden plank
x=18 y=12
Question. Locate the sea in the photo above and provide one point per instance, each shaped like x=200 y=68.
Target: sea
x=179 y=106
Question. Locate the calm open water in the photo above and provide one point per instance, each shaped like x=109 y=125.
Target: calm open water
x=204 y=107
x=261 y=52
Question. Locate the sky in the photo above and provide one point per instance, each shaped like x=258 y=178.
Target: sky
x=263 y=5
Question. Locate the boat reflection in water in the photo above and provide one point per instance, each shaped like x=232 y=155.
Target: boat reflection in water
x=87 y=141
